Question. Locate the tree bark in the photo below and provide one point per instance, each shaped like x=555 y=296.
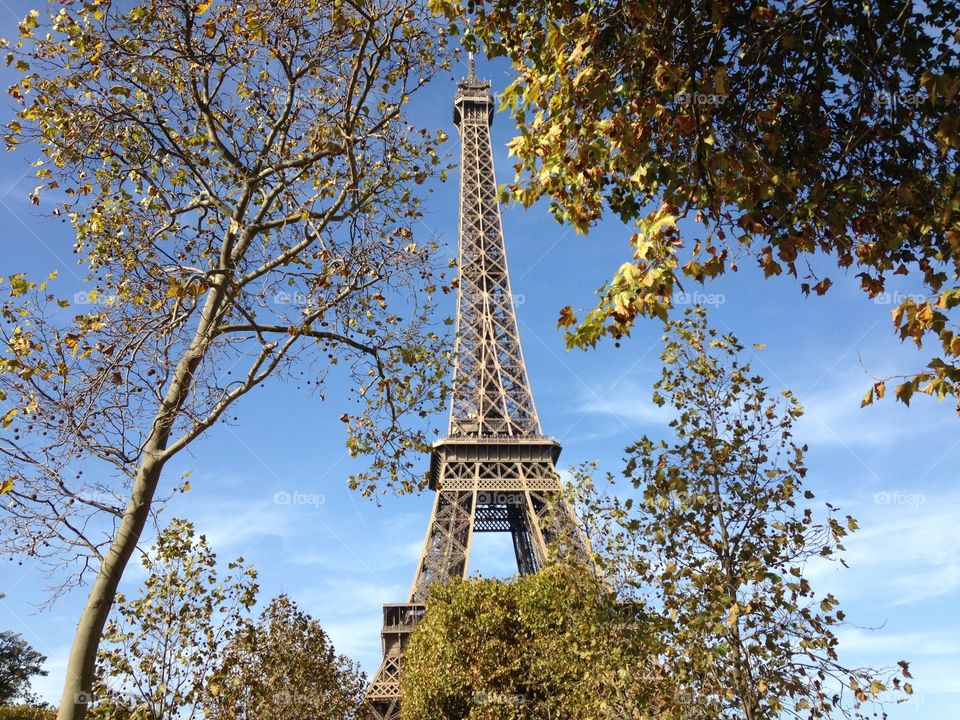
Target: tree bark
x=81 y=666
x=78 y=686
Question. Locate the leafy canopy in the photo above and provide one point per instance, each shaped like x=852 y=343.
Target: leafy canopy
x=243 y=182
x=780 y=131
x=187 y=647
x=283 y=666
x=161 y=646
x=18 y=663
x=553 y=644
x=719 y=539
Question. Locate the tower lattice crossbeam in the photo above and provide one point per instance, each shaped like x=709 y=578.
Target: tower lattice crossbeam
x=495 y=471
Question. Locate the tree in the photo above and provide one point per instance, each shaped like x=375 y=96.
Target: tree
x=186 y=647
x=283 y=666
x=779 y=130
x=554 y=644
x=161 y=647
x=26 y=712
x=18 y=663
x=242 y=181
x=719 y=541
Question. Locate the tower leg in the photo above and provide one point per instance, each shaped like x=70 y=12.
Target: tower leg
x=556 y=525
x=446 y=550
x=385 y=709
x=382 y=699
x=518 y=517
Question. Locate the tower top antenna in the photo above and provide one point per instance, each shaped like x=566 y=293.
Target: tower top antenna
x=495 y=471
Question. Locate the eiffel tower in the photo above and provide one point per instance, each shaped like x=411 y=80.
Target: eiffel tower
x=495 y=471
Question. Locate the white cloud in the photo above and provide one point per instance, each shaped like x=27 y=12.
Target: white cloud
x=349 y=609
x=932 y=659
x=833 y=417
x=627 y=401
x=903 y=554
x=857 y=640
x=917 y=552
x=49 y=687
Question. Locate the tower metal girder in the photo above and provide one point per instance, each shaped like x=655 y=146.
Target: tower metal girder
x=495 y=471
x=491 y=393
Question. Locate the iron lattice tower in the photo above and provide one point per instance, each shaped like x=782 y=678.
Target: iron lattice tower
x=495 y=471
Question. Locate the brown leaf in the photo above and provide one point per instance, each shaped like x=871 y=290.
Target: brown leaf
x=821 y=287
x=567 y=318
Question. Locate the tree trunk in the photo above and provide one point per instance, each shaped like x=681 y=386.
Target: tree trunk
x=78 y=687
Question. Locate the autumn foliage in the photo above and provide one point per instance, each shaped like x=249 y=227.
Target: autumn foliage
x=792 y=135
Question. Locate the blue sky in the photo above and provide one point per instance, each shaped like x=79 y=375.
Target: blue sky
x=341 y=557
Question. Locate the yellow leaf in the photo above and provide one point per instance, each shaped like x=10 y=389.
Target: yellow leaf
x=662 y=219
x=733 y=615
x=8 y=417
x=6 y=486
x=897 y=314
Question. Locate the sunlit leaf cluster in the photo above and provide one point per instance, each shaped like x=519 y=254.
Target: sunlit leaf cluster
x=186 y=646
x=721 y=540
x=283 y=666
x=742 y=132
x=161 y=645
x=243 y=182
x=554 y=644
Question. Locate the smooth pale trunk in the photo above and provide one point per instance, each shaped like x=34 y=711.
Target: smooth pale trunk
x=77 y=690
x=83 y=655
